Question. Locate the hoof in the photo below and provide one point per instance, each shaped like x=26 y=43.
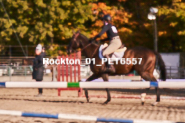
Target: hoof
x=106 y=102
x=143 y=95
x=87 y=100
x=155 y=103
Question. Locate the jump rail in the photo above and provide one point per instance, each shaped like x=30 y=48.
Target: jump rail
x=78 y=117
x=133 y=84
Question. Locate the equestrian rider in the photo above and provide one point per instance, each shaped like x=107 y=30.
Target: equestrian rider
x=112 y=36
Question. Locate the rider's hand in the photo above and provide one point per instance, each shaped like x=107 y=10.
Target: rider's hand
x=98 y=41
x=91 y=40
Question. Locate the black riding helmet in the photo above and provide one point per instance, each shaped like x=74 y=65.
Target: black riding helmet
x=107 y=18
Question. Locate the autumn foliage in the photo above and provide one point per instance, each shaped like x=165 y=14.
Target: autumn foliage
x=52 y=22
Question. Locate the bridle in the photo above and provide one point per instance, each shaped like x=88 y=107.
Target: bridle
x=74 y=40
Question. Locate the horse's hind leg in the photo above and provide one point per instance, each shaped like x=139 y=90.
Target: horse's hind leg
x=105 y=78
x=148 y=77
x=157 y=91
x=92 y=77
x=157 y=96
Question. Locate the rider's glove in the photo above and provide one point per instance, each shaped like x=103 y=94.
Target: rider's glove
x=98 y=41
x=91 y=40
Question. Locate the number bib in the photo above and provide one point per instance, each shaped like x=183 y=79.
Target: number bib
x=114 y=29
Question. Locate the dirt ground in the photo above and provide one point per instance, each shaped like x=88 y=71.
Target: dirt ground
x=70 y=103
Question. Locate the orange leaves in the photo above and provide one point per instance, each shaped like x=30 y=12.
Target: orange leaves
x=160 y=33
x=181 y=32
x=173 y=24
x=147 y=25
x=93 y=33
x=119 y=16
x=98 y=7
x=111 y=12
x=123 y=29
x=102 y=5
x=122 y=0
x=94 y=6
x=176 y=1
x=98 y=23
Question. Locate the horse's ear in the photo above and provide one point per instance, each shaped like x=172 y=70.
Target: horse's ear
x=78 y=31
x=73 y=32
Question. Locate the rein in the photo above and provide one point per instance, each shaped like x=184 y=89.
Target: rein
x=85 y=46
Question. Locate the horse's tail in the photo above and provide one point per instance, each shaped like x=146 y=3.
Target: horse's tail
x=162 y=68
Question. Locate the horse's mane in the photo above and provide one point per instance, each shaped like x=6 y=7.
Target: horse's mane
x=84 y=37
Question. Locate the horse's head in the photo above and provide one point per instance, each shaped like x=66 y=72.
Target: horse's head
x=74 y=43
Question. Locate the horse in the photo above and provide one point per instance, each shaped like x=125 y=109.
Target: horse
x=150 y=59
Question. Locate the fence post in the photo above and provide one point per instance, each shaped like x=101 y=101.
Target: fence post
x=79 y=57
x=9 y=72
x=70 y=74
x=54 y=73
x=25 y=72
x=170 y=72
x=66 y=68
x=58 y=69
x=26 y=50
x=74 y=68
x=63 y=67
x=10 y=50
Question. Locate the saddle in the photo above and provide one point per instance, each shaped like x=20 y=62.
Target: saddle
x=117 y=54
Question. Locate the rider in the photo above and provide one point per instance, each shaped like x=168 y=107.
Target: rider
x=113 y=37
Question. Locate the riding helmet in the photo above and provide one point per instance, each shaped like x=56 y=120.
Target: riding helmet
x=107 y=18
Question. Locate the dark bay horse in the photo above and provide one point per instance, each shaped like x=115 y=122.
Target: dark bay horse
x=145 y=69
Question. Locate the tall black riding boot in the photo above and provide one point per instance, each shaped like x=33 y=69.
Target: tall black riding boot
x=109 y=67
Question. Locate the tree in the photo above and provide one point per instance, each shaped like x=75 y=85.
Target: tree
x=43 y=21
x=52 y=22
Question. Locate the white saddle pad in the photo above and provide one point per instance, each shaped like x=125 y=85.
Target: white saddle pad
x=118 y=54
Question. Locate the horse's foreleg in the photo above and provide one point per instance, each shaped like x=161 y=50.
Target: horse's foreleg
x=86 y=95
x=105 y=78
x=157 y=92
x=92 y=77
x=108 y=96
